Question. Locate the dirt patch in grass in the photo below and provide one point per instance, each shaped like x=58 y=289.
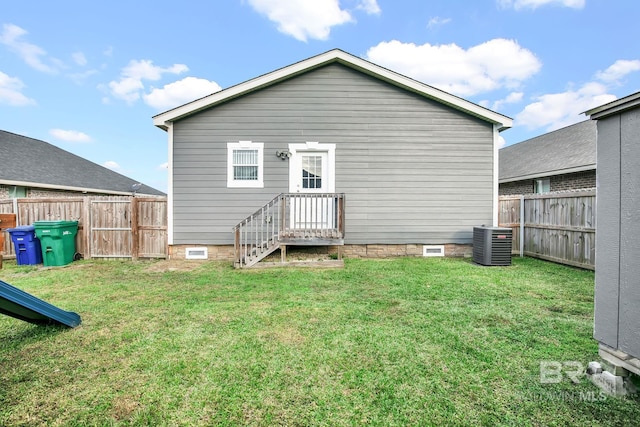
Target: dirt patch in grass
x=124 y=407
x=174 y=265
x=284 y=335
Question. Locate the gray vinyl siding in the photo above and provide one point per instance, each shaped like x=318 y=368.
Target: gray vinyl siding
x=413 y=170
x=608 y=232
x=618 y=245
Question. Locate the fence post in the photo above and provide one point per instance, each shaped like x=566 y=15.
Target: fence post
x=135 y=234
x=85 y=228
x=522 y=226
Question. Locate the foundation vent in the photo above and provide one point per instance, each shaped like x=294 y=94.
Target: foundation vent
x=433 y=250
x=196 y=253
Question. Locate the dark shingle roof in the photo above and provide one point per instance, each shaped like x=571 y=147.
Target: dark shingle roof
x=570 y=149
x=32 y=162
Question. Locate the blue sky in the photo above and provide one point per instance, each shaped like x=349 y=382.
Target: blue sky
x=88 y=77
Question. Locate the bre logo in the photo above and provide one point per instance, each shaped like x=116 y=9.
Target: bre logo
x=552 y=372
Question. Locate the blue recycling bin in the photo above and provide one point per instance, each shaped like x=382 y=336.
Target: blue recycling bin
x=26 y=244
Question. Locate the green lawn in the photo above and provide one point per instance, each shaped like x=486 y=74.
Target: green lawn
x=407 y=341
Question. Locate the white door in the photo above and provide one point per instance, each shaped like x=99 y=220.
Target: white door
x=310 y=174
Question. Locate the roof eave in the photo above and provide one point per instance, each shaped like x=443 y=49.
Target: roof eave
x=163 y=120
x=614 y=107
x=64 y=187
x=548 y=173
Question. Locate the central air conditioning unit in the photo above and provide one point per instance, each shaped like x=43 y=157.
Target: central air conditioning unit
x=492 y=245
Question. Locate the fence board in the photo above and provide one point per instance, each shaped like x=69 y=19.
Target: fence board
x=152 y=227
x=557 y=226
x=105 y=230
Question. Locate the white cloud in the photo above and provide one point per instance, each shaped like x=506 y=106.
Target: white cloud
x=79 y=78
x=33 y=55
x=618 y=70
x=488 y=66
x=304 y=19
x=110 y=164
x=512 y=98
x=501 y=141
x=437 y=21
x=79 y=58
x=370 y=6
x=534 y=4
x=10 y=92
x=127 y=89
x=558 y=110
x=180 y=92
x=70 y=135
x=130 y=85
x=163 y=166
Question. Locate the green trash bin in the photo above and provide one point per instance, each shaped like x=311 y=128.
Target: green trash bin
x=57 y=241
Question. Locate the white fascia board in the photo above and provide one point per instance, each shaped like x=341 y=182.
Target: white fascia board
x=64 y=187
x=161 y=120
x=614 y=107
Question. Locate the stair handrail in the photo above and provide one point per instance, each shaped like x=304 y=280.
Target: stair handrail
x=259 y=231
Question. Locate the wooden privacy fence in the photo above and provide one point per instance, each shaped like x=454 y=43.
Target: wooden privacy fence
x=111 y=227
x=557 y=227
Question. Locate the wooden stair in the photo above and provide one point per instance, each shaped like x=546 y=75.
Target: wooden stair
x=289 y=219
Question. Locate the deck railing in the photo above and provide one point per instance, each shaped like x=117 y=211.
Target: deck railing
x=290 y=219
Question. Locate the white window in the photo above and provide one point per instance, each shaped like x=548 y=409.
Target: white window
x=245 y=164
x=542 y=185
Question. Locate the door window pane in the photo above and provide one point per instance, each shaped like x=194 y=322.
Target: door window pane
x=311 y=172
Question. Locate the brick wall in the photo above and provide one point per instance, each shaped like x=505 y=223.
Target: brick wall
x=516 y=187
x=44 y=193
x=574 y=181
x=214 y=252
x=36 y=193
x=565 y=182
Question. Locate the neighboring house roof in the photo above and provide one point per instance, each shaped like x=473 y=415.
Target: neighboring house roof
x=614 y=107
x=28 y=162
x=566 y=150
x=333 y=56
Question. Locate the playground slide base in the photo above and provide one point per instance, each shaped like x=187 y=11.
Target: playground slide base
x=21 y=305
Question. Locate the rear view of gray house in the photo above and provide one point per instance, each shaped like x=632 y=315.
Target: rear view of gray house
x=617 y=294
x=330 y=150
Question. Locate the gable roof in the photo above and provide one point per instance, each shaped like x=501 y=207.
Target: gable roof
x=28 y=162
x=163 y=120
x=566 y=150
x=614 y=107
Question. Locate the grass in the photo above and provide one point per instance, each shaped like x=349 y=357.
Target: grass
x=407 y=341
